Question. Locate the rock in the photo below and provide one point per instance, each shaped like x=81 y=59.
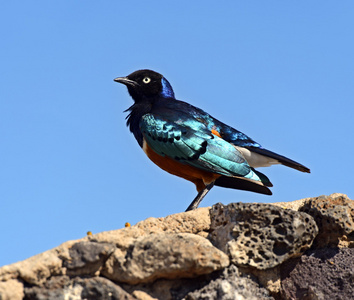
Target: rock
x=172 y=255
x=224 y=281
x=334 y=216
x=36 y=269
x=260 y=235
x=188 y=256
x=269 y=278
x=230 y=285
x=62 y=287
x=171 y=289
x=195 y=221
x=320 y=274
x=56 y=287
x=101 y=288
x=11 y=290
x=87 y=258
x=140 y=295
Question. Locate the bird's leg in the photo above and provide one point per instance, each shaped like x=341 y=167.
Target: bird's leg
x=200 y=197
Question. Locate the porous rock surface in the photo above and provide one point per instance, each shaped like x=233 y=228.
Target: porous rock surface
x=260 y=235
x=231 y=284
x=334 y=216
x=334 y=267
x=289 y=250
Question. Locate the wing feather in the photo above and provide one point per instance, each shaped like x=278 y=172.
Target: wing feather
x=198 y=148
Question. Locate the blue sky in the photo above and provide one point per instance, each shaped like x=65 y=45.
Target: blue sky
x=280 y=71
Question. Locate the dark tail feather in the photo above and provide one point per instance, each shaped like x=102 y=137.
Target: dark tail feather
x=282 y=159
x=244 y=184
x=265 y=180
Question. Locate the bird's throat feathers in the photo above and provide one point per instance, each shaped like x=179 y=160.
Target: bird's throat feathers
x=136 y=111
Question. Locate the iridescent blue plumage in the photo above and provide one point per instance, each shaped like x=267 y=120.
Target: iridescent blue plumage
x=186 y=141
x=193 y=144
x=167 y=90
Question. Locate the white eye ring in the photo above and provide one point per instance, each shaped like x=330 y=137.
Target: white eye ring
x=146 y=80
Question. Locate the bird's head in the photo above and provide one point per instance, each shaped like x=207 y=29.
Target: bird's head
x=144 y=84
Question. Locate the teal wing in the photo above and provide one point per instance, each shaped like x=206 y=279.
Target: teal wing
x=191 y=143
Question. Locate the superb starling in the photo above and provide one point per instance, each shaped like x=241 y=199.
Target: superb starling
x=188 y=142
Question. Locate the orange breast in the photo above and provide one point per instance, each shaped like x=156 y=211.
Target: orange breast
x=199 y=177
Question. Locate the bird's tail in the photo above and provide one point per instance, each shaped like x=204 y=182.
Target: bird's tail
x=282 y=159
x=242 y=183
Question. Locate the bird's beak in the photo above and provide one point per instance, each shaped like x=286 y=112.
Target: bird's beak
x=126 y=81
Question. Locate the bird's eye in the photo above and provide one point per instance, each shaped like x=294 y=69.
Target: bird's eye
x=146 y=80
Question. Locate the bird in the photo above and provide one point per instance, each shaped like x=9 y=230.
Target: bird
x=186 y=141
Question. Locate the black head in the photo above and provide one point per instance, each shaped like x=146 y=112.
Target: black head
x=143 y=84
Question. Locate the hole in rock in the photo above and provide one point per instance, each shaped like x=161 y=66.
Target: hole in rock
x=280 y=230
x=276 y=221
x=280 y=248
